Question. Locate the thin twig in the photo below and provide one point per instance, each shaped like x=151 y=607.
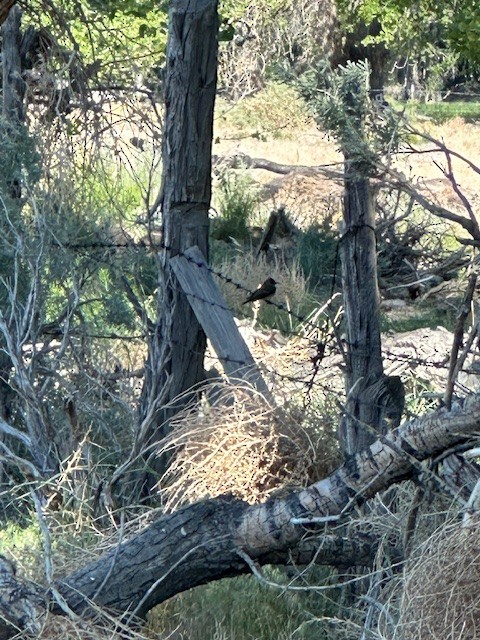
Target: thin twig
x=457 y=339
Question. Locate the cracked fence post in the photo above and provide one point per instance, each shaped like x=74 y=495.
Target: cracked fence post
x=177 y=345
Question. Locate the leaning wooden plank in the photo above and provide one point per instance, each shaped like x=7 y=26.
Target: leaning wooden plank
x=216 y=318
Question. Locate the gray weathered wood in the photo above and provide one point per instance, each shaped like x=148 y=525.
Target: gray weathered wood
x=216 y=319
x=362 y=318
x=177 y=345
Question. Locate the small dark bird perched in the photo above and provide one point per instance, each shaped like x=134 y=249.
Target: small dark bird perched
x=265 y=290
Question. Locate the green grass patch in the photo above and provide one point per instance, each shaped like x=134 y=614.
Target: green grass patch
x=235 y=199
x=317 y=253
x=23 y=545
x=244 y=609
x=441 y=111
x=422 y=316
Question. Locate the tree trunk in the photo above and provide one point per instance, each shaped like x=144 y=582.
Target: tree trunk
x=377 y=55
x=176 y=349
x=13 y=84
x=201 y=542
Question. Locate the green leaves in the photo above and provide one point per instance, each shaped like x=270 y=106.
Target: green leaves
x=464 y=31
x=419 y=28
x=341 y=104
x=128 y=7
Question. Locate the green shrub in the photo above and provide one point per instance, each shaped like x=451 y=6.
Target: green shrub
x=317 y=251
x=277 y=112
x=243 y=608
x=236 y=200
x=21 y=543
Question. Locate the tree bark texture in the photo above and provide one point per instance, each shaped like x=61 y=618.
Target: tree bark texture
x=176 y=350
x=22 y=605
x=361 y=299
x=201 y=542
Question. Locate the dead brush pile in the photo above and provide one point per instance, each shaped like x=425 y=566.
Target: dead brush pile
x=235 y=444
x=441 y=598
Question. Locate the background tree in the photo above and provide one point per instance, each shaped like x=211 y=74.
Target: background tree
x=427 y=41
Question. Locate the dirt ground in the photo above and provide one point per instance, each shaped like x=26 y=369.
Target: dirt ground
x=311 y=197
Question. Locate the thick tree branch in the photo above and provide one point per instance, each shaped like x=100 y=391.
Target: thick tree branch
x=22 y=606
x=200 y=542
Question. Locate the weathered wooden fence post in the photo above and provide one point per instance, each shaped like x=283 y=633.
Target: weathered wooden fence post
x=177 y=346
x=361 y=300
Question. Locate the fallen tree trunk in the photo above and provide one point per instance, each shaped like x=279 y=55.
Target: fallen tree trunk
x=213 y=539
x=201 y=542
x=268 y=190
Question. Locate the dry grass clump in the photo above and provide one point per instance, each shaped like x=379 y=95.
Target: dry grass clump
x=441 y=597
x=251 y=270
x=236 y=444
x=106 y=627
x=63 y=628
x=311 y=199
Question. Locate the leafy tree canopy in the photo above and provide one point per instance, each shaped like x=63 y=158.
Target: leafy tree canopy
x=418 y=27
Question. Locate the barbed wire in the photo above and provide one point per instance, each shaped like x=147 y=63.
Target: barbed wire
x=130 y=244
x=321 y=345
x=309 y=378
x=387 y=355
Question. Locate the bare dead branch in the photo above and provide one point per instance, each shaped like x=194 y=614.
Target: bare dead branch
x=241 y=160
x=395 y=179
x=458 y=337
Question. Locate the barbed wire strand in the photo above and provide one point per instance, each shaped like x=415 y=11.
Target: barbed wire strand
x=319 y=345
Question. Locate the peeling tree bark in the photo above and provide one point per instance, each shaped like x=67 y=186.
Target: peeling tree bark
x=201 y=542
